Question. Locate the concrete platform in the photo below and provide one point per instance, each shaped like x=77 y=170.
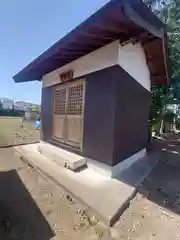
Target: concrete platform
x=106 y=197
x=62 y=157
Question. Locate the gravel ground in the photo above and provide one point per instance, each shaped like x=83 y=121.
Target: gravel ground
x=151 y=214
x=154 y=212
x=32 y=207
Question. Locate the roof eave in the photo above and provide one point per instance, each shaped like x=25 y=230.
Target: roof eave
x=116 y=11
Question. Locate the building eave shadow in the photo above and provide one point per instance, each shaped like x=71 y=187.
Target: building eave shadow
x=162 y=185
x=20 y=217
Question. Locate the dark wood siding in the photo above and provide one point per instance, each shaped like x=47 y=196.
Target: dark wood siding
x=99 y=115
x=115 y=116
x=131 y=119
x=46 y=113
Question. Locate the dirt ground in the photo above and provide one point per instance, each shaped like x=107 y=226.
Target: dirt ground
x=32 y=207
x=11 y=132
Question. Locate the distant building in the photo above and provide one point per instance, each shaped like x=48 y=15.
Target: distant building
x=6 y=103
x=25 y=106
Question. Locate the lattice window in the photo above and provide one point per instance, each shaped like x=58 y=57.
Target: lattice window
x=75 y=100
x=60 y=101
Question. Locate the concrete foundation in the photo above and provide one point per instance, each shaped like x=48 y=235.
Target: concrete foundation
x=62 y=157
x=75 y=162
x=115 y=171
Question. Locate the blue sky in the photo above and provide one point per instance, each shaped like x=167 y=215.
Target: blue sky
x=28 y=28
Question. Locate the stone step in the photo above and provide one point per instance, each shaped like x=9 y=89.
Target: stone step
x=62 y=157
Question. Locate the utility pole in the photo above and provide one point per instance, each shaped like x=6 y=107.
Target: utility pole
x=13 y=103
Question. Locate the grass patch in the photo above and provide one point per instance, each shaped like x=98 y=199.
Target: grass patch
x=11 y=132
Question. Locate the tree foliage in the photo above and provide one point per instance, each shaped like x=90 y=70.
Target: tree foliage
x=169 y=12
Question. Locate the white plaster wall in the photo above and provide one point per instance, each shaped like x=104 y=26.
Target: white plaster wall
x=101 y=58
x=130 y=57
x=133 y=60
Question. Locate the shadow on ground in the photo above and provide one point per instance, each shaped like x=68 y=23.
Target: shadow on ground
x=20 y=218
x=162 y=186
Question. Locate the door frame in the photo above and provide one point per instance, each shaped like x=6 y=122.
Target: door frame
x=65 y=141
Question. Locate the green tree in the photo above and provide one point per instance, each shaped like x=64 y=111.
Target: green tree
x=169 y=12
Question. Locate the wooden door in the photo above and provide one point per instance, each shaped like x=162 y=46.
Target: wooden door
x=75 y=112
x=59 y=114
x=69 y=113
